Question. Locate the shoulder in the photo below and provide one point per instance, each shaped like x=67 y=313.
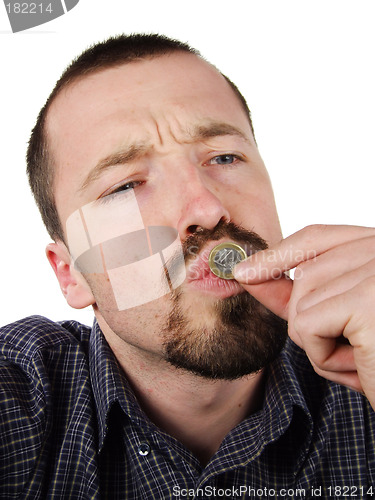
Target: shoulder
x=35 y=337
x=35 y=346
x=36 y=352
x=36 y=333
x=42 y=366
x=35 y=356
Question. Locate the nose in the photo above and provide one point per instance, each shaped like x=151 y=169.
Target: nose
x=200 y=208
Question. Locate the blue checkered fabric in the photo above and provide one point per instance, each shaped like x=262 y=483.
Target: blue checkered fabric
x=71 y=428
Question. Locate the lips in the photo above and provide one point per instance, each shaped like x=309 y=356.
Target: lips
x=200 y=276
x=198 y=267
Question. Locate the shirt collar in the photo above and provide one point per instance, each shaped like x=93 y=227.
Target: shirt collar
x=297 y=402
x=110 y=385
x=284 y=391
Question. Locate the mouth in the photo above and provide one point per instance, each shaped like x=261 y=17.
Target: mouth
x=199 y=276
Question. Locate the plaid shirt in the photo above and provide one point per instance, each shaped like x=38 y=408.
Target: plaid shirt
x=71 y=428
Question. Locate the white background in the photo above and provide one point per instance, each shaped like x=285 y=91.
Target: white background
x=305 y=67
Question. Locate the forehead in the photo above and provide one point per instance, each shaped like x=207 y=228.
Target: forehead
x=178 y=82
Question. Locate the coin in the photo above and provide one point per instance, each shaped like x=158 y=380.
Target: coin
x=224 y=257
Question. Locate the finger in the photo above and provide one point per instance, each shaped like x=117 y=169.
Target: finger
x=336 y=286
x=329 y=355
x=274 y=295
x=320 y=327
x=302 y=246
x=350 y=314
x=349 y=379
x=336 y=261
x=325 y=320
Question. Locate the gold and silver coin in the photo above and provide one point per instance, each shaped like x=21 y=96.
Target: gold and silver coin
x=224 y=257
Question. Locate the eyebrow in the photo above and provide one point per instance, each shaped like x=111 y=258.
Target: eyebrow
x=127 y=155
x=137 y=150
x=215 y=129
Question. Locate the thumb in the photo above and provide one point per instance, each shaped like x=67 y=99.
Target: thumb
x=273 y=294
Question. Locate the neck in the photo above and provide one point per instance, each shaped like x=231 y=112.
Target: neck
x=196 y=411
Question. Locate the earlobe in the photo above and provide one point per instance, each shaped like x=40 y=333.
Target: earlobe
x=73 y=286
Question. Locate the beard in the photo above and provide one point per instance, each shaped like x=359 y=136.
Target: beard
x=240 y=337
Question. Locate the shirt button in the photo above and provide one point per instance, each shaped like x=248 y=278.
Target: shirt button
x=144 y=449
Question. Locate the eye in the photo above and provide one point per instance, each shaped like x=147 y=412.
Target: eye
x=224 y=159
x=125 y=187
x=119 y=189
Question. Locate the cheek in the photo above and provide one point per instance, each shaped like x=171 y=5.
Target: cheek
x=253 y=207
x=139 y=326
x=160 y=207
x=101 y=288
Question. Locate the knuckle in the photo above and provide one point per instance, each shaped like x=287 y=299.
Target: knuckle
x=312 y=231
x=359 y=338
x=302 y=326
x=310 y=236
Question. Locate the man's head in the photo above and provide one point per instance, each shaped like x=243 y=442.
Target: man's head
x=169 y=128
x=109 y=54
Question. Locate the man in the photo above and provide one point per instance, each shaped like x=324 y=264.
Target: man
x=142 y=161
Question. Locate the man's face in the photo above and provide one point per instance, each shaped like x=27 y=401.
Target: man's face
x=171 y=130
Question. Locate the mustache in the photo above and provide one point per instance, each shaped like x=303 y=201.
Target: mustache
x=194 y=243
x=250 y=240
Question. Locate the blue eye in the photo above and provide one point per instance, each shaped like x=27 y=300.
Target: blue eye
x=225 y=159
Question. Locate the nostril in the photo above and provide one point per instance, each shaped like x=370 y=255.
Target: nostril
x=194 y=229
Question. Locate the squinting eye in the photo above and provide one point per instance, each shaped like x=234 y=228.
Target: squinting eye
x=119 y=189
x=226 y=159
x=124 y=187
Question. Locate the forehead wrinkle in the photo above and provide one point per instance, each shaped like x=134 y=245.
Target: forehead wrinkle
x=164 y=129
x=201 y=132
x=195 y=134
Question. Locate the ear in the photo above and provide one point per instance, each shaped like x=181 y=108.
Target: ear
x=73 y=286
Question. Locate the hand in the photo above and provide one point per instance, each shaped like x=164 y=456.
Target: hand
x=330 y=303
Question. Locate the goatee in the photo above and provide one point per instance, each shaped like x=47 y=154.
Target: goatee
x=244 y=336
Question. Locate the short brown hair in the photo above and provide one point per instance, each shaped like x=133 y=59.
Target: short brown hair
x=110 y=53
